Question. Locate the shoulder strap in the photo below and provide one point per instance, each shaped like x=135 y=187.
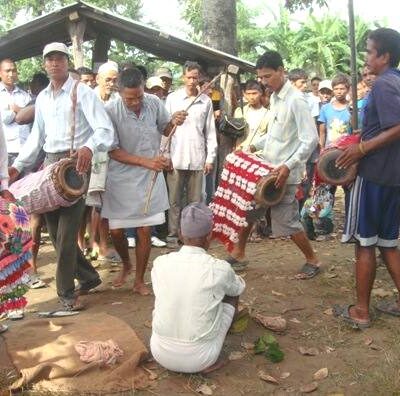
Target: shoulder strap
x=73 y=116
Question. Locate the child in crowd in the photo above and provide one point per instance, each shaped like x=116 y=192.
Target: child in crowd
x=317 y=213
x=335 y=116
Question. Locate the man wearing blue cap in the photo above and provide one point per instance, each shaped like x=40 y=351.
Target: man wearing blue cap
x=195 y=302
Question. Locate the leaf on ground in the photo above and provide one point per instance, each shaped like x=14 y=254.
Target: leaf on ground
x=267 y=378
x=308 y=388
x=329 y=312
x=321 y=374
x=329 y=349
x=368 y=341
x=294 y=320
x=152 y=375
x=274 y=323
x=330 y=276
x=285 y=375
x=274 y=353
x=240 y=325
x=382 y=293
x=248 y=346
x=275 y=293
x=309 y=351
x=236 y=355
x=204 y=389
x=375 y=347
x=147 y=324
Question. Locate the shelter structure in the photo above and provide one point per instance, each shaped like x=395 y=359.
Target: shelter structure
x=79 y=22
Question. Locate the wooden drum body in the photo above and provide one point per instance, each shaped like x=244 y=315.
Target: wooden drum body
x=330 y=173
x=57 y=185
x=266 y=193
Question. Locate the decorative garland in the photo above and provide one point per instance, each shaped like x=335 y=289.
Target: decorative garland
x=15 y=244
x=235 y=195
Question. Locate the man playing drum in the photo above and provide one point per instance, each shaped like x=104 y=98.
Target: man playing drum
x=291 y=138
x=51 y=131
x=373 y=213
x=139 y=120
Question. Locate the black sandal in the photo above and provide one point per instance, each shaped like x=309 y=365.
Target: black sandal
x=308 y=271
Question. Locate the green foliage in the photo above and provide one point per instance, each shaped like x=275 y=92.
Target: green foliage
x=319 y=45
x=269 y=345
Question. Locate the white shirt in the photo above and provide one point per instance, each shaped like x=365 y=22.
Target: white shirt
x=114 y=95
x=195 y=141
x=292 y=134
x=51 y=128
x=189 y=287
x=14 y=133
x=3 y=162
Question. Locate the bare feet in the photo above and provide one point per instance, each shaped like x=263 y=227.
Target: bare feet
x=142 y=289
x=122 y=276
x=217 y=365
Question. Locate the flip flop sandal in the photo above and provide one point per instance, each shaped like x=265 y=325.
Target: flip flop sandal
x=17 y=314
x=57 y=314
x=389 y=307
x=308 y=271
x=111 y=258
x=343 y=312
x=35 y=283
x=236 y=264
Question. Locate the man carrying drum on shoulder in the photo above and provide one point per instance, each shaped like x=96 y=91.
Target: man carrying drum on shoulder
x=51 y=131
x=291 y=138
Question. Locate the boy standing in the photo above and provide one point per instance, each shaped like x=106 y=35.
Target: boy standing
x=335 y=116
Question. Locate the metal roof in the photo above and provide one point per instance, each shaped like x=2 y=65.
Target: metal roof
x=28 y=40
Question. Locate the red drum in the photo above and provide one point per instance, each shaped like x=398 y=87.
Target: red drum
x=57 y=185
x=327 y=170
x=246 y=180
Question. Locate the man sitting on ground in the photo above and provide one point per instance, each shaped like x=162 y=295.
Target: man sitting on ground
x=190 y=321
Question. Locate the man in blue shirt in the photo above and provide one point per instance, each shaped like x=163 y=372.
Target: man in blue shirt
x=373 y=214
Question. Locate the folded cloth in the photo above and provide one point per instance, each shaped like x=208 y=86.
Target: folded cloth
x=106 y=353
x=98 y=176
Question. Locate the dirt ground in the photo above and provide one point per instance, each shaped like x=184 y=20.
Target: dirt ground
x=358 y=363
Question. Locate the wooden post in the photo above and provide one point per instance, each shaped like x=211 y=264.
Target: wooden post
x=76 y=29
x=353 y=65
x=100 y=51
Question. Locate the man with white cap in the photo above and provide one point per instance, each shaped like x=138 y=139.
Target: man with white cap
x=190 y=322
x=154 y=85
x=106 y=79
x=50 y=131
x=166 y=77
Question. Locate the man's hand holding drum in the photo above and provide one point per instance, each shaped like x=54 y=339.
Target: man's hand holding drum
x=84 y=159
x=282 y=173
x=13 y=174
x=5 y=194
x=351 y=155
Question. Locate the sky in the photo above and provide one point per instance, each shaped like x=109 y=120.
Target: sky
x=169 y=20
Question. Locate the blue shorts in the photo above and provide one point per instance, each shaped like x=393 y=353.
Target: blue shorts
x=373 y=214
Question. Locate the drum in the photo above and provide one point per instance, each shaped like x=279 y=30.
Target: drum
x=327 y=170
x=266 y=193
x=330 y=173
x=245 y=180
x=57 y=185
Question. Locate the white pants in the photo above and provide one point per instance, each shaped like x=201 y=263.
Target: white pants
x=191 y=357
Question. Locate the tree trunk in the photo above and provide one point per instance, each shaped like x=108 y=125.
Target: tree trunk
x=219 y=25
x=219 y=32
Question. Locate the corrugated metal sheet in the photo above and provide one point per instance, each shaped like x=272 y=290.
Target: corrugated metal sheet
x=29 y=39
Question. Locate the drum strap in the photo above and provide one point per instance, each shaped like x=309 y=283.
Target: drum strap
x=73 y=116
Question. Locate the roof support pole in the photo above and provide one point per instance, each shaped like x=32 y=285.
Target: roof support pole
x=100 y=50
x=76 y=29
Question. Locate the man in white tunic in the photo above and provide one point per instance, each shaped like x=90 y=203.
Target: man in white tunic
x=139 y=120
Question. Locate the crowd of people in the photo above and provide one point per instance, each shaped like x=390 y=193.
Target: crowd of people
x=161 y=152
